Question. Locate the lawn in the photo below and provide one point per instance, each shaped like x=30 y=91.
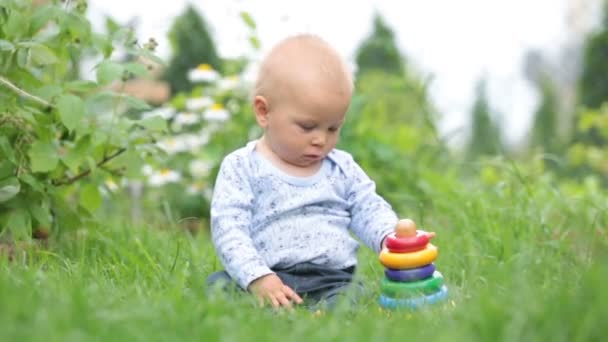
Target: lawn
x=521 y=263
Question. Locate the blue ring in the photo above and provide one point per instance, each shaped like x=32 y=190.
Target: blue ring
x=411 y=274
x=413 y=303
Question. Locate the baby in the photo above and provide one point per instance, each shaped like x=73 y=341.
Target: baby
x=284 y=206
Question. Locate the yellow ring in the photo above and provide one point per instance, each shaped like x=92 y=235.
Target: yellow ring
x=408 y=260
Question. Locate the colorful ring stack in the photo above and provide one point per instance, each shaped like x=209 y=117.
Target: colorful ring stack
x=411 y=279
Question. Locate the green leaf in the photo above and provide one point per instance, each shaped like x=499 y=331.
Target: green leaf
x=151 y=56
x=137 y=69
x=66 y=217
x=131 y=161
x=6 y=150
x=16 y=25
x=71 y=110
x=248 y=20
x=103 y=44
x=136 y=103
x=90 y=198
x=5 y=45
x=9 y=188
x=43 y=15
x=43 y=157
x=41 y=213
x=48 y=91
x=7 y=169
x=92 y=164
x=23 y=56
x=34 y=183
x=77 y=155
x=255 y=42
x=19 y=223
x=42 y=55
x=108 y=72
x=77 y=25
x=81 y=86
x=154 y=124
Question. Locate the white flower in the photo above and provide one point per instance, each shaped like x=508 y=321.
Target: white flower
x=196 y=140
x=216 y=113
x=203 y=73
x=173 y=145
x=147 y=170
x=200 y=168
x=197 y=103
x=195 y=188
x=111 y=185
x=229 y=83
x=187 y=119
x=163 y=177
x=164 y=112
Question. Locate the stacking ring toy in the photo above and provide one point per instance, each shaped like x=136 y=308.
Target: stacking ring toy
x=408 y=260
x=397 y=244
x=413 y=303
x=411 y=274
x=396 y=289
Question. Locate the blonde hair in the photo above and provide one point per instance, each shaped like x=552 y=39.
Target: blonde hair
x=305 y=53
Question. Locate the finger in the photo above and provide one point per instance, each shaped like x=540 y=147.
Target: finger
x=283 y=300
x=260 y=301
x=274 y=302
x=292 y=294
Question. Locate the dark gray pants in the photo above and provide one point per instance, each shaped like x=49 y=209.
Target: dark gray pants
x=315 y=284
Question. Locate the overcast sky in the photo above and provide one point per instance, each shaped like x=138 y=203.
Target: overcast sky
x=454 y=42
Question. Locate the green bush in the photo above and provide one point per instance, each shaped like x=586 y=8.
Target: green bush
x=60 y=136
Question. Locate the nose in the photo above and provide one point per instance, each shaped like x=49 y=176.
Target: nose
x=319 y=139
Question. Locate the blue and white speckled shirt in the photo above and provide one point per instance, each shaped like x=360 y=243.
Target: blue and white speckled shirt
x=263 y=218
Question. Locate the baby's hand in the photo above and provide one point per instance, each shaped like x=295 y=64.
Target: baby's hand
x=271 y=288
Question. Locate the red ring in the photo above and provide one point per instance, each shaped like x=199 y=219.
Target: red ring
x=406 y=250
x=407 y=244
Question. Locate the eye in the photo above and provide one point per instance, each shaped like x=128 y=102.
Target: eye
x=334 y=129
x=306 y=127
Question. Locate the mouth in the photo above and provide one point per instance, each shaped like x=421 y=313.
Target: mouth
x=312 y=156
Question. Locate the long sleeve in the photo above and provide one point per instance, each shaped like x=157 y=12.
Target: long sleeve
x=372 y=217
x=231 y=217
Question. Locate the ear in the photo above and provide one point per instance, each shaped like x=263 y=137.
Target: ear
x=260 y=107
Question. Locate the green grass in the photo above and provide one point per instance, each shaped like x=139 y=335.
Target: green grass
x=521 y=263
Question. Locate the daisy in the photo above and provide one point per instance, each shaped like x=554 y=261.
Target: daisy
x=173 y=145
x=111 y=185
x=164 y=112
x=195 y=188
x=200 y=168
x=185 y=119
x=216 y=113
x=197 y=103
x=229 y=83
x=195 y=141
x=163 y=177
x=203 y=73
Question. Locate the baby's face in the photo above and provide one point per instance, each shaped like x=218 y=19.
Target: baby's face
x=304 y=129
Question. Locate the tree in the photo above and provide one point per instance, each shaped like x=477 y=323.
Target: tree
x=192 y=45
x=379 y=51
x=485 y=134
x=593 y=83
x=544 y=129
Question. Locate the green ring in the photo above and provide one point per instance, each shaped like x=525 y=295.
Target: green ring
x=397 y=289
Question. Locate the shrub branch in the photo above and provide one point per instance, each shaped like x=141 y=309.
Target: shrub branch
x=85 y=173
x=23 y=93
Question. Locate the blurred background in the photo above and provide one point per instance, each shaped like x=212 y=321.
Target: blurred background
x=453 y=45
x=449 y=95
